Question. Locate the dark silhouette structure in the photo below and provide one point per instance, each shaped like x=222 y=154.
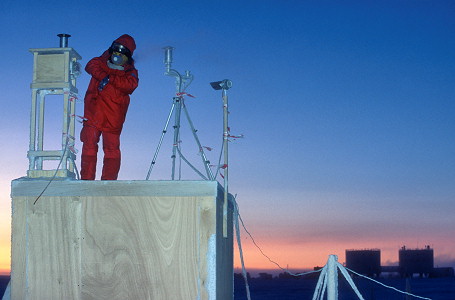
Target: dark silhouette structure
x=367 y=262
x=411 y=261
x=416 y=261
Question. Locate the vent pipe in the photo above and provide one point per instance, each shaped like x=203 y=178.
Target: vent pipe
x=63 y=39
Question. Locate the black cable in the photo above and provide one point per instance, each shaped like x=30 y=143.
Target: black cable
x=59 y=164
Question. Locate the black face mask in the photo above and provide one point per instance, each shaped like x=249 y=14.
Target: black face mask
x=119 y=58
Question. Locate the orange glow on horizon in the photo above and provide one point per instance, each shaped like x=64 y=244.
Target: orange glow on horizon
x=287 y=256
x=293 y=257
x=5 y=242
x=308 y=255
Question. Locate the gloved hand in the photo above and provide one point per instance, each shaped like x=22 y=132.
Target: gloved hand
x=103 y=83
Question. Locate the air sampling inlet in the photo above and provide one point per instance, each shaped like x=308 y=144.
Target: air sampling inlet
x=63 y=39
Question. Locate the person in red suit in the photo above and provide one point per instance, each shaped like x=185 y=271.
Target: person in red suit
x=106 y=102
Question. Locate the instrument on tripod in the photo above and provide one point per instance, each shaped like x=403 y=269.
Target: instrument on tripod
x=178 y=104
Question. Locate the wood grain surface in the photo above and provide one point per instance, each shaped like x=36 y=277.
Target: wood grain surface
x=120 y=247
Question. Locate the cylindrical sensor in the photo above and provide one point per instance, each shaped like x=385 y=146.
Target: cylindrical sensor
x=168 y=55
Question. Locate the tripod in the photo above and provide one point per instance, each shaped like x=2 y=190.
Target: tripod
x=178 y=103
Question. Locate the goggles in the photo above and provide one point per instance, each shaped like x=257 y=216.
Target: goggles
x=119 y=48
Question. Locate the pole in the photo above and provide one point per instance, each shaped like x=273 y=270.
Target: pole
x=224 y=85
x=226 y=162
x=332 y=278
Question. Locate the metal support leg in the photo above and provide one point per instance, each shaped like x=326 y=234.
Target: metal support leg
x=177 y=105
x=163 y=133
x=32 y=145
x=40 y=140
x=205 y=161
x=71 y=119
x=65 y=131
x=178 y=110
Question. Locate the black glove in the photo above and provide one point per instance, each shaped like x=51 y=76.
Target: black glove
x=103 y=83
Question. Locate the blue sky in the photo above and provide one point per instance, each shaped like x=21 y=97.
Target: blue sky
x=347 y=111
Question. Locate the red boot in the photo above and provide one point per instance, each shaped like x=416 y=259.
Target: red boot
x=88 y=167
x=111 y=167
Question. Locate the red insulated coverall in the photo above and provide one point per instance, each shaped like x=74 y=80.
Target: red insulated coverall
x=105 y=112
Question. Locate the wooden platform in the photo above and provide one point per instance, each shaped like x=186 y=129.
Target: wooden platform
x=120 y=240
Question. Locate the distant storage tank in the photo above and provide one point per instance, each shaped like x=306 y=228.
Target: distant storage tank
x=416 y=261
x=366 y=262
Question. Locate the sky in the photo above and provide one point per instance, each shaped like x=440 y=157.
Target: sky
x=347 y=111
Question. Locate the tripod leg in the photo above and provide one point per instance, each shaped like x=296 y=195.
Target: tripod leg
x=205 y=161
x=190 y=165
x=161 y=141
x=178 y=105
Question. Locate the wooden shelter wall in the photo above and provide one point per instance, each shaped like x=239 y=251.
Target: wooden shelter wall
x=120 y=247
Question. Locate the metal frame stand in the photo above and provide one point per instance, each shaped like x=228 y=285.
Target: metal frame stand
x=36 y=153
x=54 y=73
x=178 y=102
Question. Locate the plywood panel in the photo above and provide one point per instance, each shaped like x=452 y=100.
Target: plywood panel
x=142 y=248
x=19 y=246
x=51 y=67
x=120 y=240
x=50 y=251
